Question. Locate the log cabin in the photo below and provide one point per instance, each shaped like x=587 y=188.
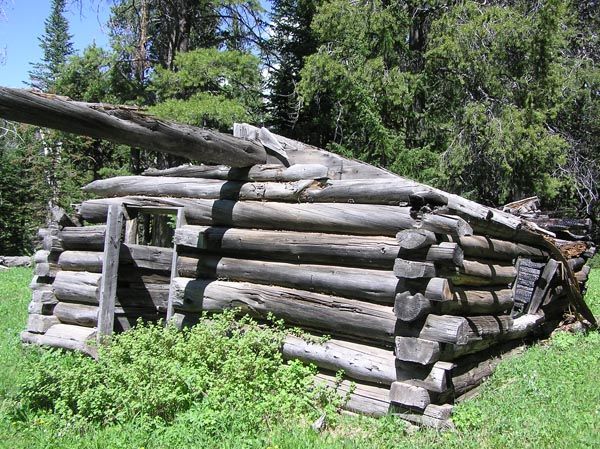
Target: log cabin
x=420 y=292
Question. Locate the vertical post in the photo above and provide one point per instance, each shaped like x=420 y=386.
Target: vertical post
x=170 y=310
x=110 y=268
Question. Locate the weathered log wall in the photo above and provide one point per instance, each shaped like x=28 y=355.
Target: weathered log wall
x=416 y=287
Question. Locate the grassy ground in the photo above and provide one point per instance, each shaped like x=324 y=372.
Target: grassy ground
x=546 y=398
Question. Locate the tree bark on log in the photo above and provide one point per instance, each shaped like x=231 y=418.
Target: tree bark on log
x=125 y=126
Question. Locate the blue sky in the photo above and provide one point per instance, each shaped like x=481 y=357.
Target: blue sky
x=23 y=23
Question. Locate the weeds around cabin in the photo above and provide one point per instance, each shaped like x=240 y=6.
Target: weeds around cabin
x=204 y=389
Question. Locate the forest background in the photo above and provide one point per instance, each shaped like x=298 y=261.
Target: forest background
x=492 y=100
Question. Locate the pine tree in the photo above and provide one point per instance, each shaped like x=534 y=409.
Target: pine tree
x=57 y=47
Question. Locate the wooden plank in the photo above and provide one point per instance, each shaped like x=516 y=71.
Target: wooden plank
x=110 y=268
x=180 y=221
x=543 y=286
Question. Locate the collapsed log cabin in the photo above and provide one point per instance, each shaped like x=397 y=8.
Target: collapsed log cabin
x=422 y=292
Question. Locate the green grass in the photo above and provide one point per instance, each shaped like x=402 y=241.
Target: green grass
x=545 y=398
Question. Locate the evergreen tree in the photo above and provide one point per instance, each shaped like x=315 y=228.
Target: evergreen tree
x=57 y=47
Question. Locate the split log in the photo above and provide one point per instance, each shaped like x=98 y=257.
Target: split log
x=415 y=239
x=42 y=301
x=64 y=336
x=362 y=398
x=365 y=219
x=128 y=127
x=410 y=396
x=267 y=172
x=335 y=315
x=371 y=285
x=434 y=416
x=438 y=289
x=360 y=362
x=424 y=351
x=301 y=247
x=408 y=269
x=39 y=324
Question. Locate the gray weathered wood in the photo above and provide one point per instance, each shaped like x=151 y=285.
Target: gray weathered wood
x=424 y=351
x=410 y=269
x=372 y=285
x=335 y=315
x=438 y=289
x=65 y=339
x=110 y=269
x=490 y=248
x=414 y=239
x=179 y=222
x=410 y=308
x=543 y=285
x=410 y=396
x=83 y=238
x=266 y=172
x=301 y=247
x=361 y=398
x=446 y=224
x=39 y=324
x=360 y=362
x=364 y=219
x=128 y=127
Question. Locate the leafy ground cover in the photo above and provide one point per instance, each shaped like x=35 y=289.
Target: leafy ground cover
x=218 y=387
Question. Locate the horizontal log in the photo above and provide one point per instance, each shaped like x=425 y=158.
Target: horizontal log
x=301 y=247
x=364 y=219
x=360 y=362
x=462 y=330
x=409 y=269
x=63 y=342
x=361 y=398
x=199 y=188
x=83 y=238
x=424 y=351
x=83 y=287
x=410 y=308
x=371 y=285
x=477 y=246
x=335 y=315
x=139 y=256
x=265 y=172
x=87 y=315
x=128 y=127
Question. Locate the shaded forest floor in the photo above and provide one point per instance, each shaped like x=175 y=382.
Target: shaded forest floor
x=547 y=397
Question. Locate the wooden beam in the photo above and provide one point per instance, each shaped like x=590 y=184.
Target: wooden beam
x=110 y=269
x=126 y=126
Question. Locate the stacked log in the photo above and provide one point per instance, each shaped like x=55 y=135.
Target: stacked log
x=415 y=288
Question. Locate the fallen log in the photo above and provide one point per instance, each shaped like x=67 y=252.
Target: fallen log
x=126 y=126
x=338 y=316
